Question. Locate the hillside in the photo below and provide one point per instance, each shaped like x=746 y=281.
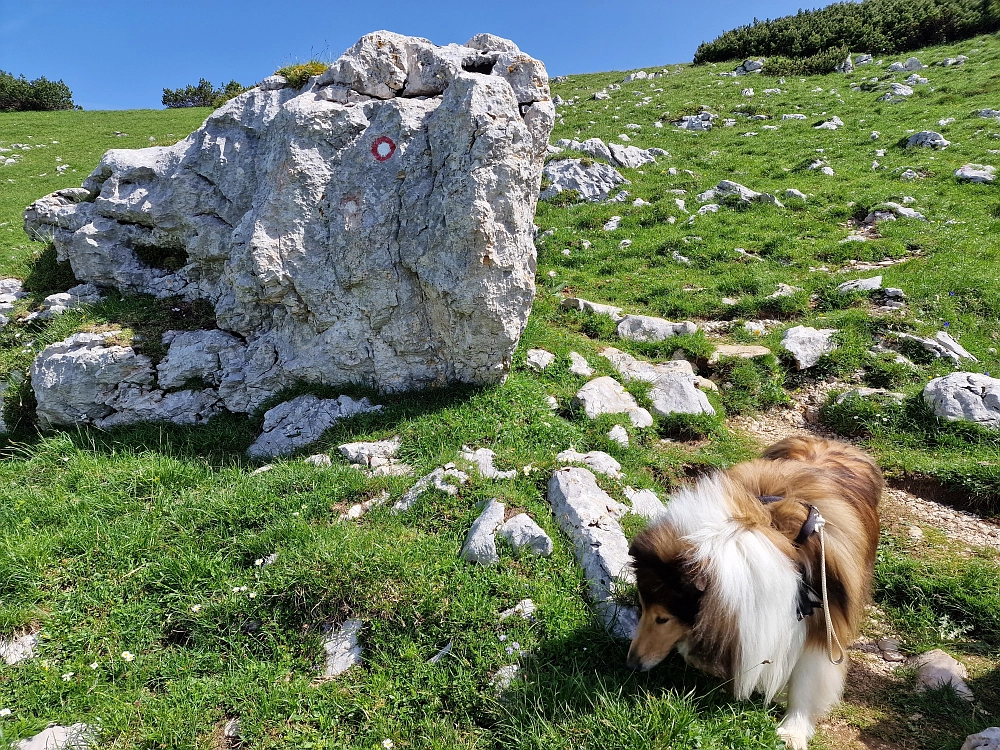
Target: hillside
x=175 y=585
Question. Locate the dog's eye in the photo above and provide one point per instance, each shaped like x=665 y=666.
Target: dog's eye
x=662 y=620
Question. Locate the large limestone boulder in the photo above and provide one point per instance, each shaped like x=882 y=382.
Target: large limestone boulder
x=965 y=396
x=374 y=226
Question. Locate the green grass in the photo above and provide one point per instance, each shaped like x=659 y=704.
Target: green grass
x=135 y=539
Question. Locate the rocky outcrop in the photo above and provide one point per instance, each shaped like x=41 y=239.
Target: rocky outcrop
x=605 y=395
x=593 y=182
x=373 y=226
x=965 y=396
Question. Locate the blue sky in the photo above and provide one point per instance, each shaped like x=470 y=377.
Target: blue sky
x=121 y=54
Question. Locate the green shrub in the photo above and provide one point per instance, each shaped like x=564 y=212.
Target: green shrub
x=18 y=94
x=298 y=75
x=564 y=198
x=750 y=385
x=875 y=26
x=821 y=63
x=202 y=95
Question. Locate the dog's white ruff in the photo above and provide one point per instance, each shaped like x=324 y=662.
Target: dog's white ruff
x=750 y=578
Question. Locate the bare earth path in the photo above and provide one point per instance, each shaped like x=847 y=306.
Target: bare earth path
x=905 y=514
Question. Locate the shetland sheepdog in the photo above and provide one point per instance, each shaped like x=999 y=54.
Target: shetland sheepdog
x=733 y=575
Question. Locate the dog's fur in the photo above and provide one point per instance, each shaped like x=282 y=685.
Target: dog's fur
x=720 y=578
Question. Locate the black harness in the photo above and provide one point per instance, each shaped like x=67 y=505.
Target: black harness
x=809 y=599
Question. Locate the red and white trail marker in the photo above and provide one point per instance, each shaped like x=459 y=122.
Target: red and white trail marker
x=383 y=148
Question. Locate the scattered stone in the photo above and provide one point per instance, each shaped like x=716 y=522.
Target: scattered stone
x=645 y=503
x=976 y=173
x=589 y=517
x=988 y=739
x=807 y=345
x=612 y=223
x=524 y=608
x=637 y=369
x=579 y=365
x=678 y=395
x=889 y=211
x=598 y=461
x=832 y=124
x=552 y=402
x=524 y=534
x=295 y=424
x=702 y=121
x=359 y=509
x=896 y=91
x=942 y=345
x=915 y=533
x=319 y=460
x=784 y=290
x=57 y=304
x=913 y=63
x=593 y=182
x=733 y=192
x=619 y=435
x=860 y=285
x=927 y=139
x=480 y=544
x=936 y=669
x=349 y=308
x=630 y=156
x=482 y=459
x=965 y=396
x=915 y=80
x=14 y=650
x=847 y=66
x=741 y=351
x=648 y=328
x=747 y=92
x=57 y=737
x=371 y=454
x=435 y=479
x=989 y=113
x=710 y=208
x=262 y=470
x=596 y=308
x=342 y=648
x=793 y=116
x=605 y=395
x=862 y=60
x=793 y=193
x=909 y=174
x=231 y=730
x=539 y=359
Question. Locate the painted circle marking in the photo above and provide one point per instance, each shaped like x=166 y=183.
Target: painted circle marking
x=383 y=148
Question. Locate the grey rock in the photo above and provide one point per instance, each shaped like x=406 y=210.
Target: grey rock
x=596 y=308
x=57 y=737
x=988 y=739
x=862 y=60
x=294 y=424
x=291 y=206
x=598 y=461
x=605 y=395
x=915 y=80
x=630 y=156
x=619 y=434
x=525 y=609
x=214 y=357
x=231 y=730
x=793 y=116
x=678 y=395
x=927 y=139
x=740 y=351
x=701 y=121
x=942 y=345
x=589 y=517
x=965 y=396
x=909 y=174
x=896 y=90
x=505 y=676
x=990 y=113
x=889 y=211
x=832 y=124
x=793 y=193
x=896 y=67
x=807 y=344
x=359 y=509
x=860 y=285
x=341 y=648
x=594 y=182
x=612 y=223
x=57 y=304
x=731 y=191
x=319 y=460
x=648 y=328
x=784 y=290
x=436 y=479
x=524 y=535
x=480 y=543
x=370 y=454
x=539 y=359
x=645 y=503
x=637 y=369
x=14 y=650
x=913 y=63
x=579 y=365
x=937 y=668
x=482 y=460
x=847 y=66
x=976 y=173
x=273 y=83
x=442 y=653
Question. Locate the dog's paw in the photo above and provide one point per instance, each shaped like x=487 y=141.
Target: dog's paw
x=794 y=739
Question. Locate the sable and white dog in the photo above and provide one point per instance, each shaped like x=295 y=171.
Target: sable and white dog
x=732 y=575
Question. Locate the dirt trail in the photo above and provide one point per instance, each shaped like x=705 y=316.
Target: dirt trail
x=871 y=676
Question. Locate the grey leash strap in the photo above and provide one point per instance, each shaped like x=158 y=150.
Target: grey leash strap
x=831 y=634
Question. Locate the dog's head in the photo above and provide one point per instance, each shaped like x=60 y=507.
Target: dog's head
x=670 y=592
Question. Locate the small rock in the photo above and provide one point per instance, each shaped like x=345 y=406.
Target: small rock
x=524 y=608
x=342 y=648
x=606 y=395
x=552 y=402
x=893 y=656
x=231 y=730
x=784 y=290
x=480 y=544
x=619 y=435
x=612 y=223
x=482 y=458
x=927 y=139
x=14 y=650
x=645 y=503
x=319 y=460
x=505 y=676
x=539 y=359
x=807 y=344
x=937 y=668
x=915 y=533
x=888 y=644
x=648 y=328
x=596 y=308
x=441 y=654
x=976 y=173
x=435 y=479
x=579 y=365
x=988 y=739
x=965 y=396
x=302 y=421
x=598 y=461
x=793 y=193
x=742 y=351
x=370 y=454
x=832 y=124
x=860 y=285
x=56 y=737
x=524 y=534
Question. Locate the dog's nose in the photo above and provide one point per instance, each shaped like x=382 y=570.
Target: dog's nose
x=633 y=662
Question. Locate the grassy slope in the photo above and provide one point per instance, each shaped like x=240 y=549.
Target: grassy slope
x=110 y=539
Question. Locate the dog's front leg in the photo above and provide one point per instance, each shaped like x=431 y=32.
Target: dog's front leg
x=814 y=688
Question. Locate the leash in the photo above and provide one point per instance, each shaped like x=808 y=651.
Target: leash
x=831 y=634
